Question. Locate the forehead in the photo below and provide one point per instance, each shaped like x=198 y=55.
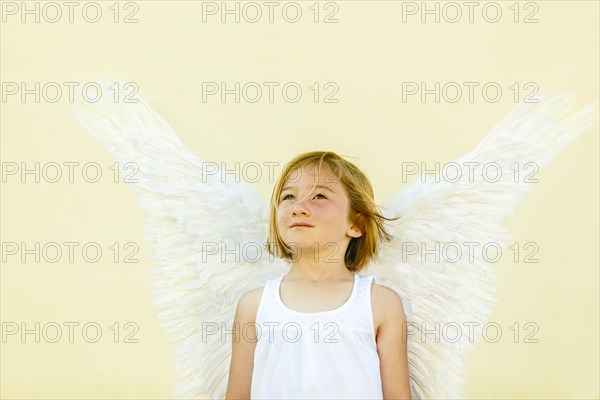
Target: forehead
x=308 y=176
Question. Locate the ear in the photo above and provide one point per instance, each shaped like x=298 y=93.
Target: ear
x=355 y=230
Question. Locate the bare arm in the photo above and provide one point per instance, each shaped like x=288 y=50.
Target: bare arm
x=242 y=346
x=391 y=345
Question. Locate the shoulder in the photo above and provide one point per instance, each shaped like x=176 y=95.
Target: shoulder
x=250 y=300
x=387 y=304
x=384 y=296
x=247 y=306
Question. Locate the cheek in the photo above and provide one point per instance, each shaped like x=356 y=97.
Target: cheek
x=279 y=211
x=328 y=212
x=280 y=215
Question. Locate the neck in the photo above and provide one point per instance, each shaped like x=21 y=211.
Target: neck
x=324 y=269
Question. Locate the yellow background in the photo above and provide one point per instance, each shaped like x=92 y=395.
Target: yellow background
x=368 y=53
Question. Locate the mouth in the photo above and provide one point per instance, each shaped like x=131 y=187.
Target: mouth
x=301 y=225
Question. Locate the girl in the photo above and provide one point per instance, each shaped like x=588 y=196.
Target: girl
x=321 y=330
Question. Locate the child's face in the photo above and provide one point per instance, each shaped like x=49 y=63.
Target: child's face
x=326 y=209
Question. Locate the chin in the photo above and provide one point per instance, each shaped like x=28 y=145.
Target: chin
x=300 y=243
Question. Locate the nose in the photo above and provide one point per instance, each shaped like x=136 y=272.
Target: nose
x=299 y=208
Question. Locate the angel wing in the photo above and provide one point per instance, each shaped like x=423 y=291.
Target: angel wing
x=451 y=295
x=196 y=220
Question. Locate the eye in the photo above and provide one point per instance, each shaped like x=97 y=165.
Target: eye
x=287 y=195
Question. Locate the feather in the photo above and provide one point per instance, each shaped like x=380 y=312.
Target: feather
x=187 y=214
x=468 y=210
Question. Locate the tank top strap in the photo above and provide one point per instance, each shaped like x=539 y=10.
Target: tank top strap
x=267 y=303
x=360 y=313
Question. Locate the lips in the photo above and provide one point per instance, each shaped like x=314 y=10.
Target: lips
x=301 y=224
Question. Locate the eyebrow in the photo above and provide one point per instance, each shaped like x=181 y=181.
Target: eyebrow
x=316 y=186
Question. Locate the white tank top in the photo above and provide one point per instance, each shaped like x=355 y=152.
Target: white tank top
x=322 y=355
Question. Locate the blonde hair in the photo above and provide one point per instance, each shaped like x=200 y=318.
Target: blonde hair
x=363 y=210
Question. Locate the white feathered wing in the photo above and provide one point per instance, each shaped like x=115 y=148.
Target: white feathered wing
x=194 y=215
x=194 y=218
x=461 y=216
